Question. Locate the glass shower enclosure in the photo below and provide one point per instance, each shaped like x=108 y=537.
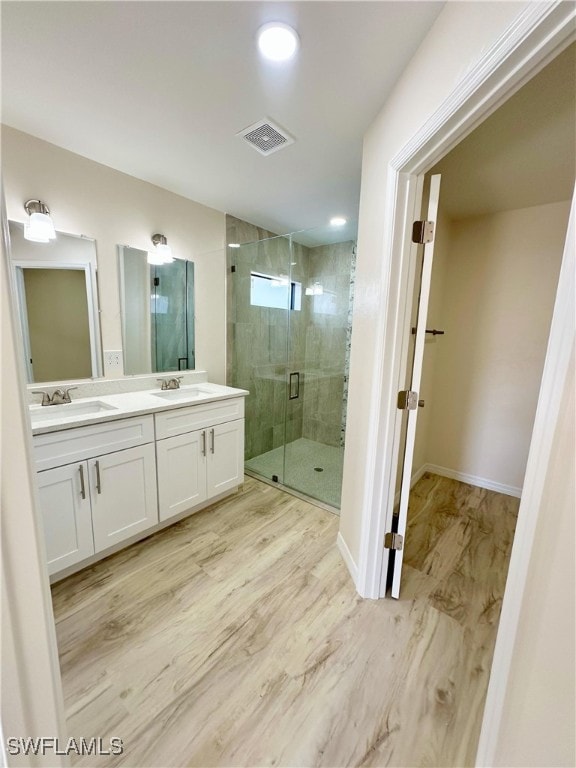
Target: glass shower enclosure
x=289 y=327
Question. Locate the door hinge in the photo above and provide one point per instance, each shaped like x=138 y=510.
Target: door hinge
x=407 y=400
x=156 y=281
x=423 y=232
x=393 y=541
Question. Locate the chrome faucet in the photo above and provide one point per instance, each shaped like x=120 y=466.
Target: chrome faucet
x=57 y=397
x=173 y=383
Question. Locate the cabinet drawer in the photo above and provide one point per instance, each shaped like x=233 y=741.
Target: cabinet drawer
x=55 y=449
x=181 y=420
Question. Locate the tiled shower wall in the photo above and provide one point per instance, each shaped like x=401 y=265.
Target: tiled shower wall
x=265 y=344
x=326 y=350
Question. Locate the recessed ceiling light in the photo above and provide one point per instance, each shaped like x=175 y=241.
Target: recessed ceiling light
x=233 y=245
x=277 y=41
x=337 y=221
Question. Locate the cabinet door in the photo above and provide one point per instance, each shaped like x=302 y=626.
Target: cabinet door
x=181 y=472
x=123 y=489
x=225 y=457
x=65 y=508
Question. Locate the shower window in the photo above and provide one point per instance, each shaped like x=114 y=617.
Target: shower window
x=276 y=292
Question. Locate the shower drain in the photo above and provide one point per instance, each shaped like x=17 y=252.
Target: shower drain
x=318 y=469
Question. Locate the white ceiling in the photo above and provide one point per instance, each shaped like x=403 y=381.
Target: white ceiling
x=160 y=89
x=522 y=155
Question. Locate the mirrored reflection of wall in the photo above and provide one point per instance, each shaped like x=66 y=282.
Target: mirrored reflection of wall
x=58 y=323
x=136 y=322
x=57 y=302
x=172 y=307
x=157 y=313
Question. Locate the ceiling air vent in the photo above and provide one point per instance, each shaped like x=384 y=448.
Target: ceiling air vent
x=266 y=137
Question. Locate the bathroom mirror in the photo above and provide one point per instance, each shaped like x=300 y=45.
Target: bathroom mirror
x=57 y=299
x=157 y=313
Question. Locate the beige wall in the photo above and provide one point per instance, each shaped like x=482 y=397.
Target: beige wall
x=94 y=200
x=459 y=37
x=539 y=716
x=499 y=280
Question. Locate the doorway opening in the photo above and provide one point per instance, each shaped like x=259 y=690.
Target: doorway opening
x=498 y=247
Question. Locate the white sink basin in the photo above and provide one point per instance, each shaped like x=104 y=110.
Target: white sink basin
x=40 y=413
x=184 y=393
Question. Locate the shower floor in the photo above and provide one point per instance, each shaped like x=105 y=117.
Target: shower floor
x=299 y=469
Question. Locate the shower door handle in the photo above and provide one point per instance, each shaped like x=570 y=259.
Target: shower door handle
x=294 y=387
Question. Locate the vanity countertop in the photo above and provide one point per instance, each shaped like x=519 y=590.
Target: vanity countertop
x=103 y=408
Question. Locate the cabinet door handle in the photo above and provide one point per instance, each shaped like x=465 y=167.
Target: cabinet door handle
x=212 y=441
x=82 y=486
x=204 y=443
x=98 y=481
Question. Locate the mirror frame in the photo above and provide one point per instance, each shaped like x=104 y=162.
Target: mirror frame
x=88 y=265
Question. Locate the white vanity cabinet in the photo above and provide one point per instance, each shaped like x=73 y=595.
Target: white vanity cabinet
x=66 y=515
x=120 y=480
x=123 y=493
x=181 y=462
x=225 y=468
x=200 y=454
x=100 y=496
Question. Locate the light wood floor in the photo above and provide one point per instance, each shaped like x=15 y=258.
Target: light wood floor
x=235 y=638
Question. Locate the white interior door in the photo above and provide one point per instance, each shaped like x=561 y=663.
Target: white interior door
x=407 y=458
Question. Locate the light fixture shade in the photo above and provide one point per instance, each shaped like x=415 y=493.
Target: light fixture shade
x=39 y=228
x=165 y=253
x=162 y=250
x=155 y=258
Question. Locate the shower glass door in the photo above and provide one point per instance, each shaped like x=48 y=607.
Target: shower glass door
x=289 y=326
x=259 y=303
x=318 y=345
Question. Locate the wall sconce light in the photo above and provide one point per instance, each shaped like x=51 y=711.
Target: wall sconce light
x=162 y=253
x=39 y=227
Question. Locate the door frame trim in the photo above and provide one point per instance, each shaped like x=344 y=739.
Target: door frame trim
x=539 y=33
x=536 y=37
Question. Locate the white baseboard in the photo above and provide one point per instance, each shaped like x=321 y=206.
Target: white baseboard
x=480 y=482
x=348 y=559
x=418 y=474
